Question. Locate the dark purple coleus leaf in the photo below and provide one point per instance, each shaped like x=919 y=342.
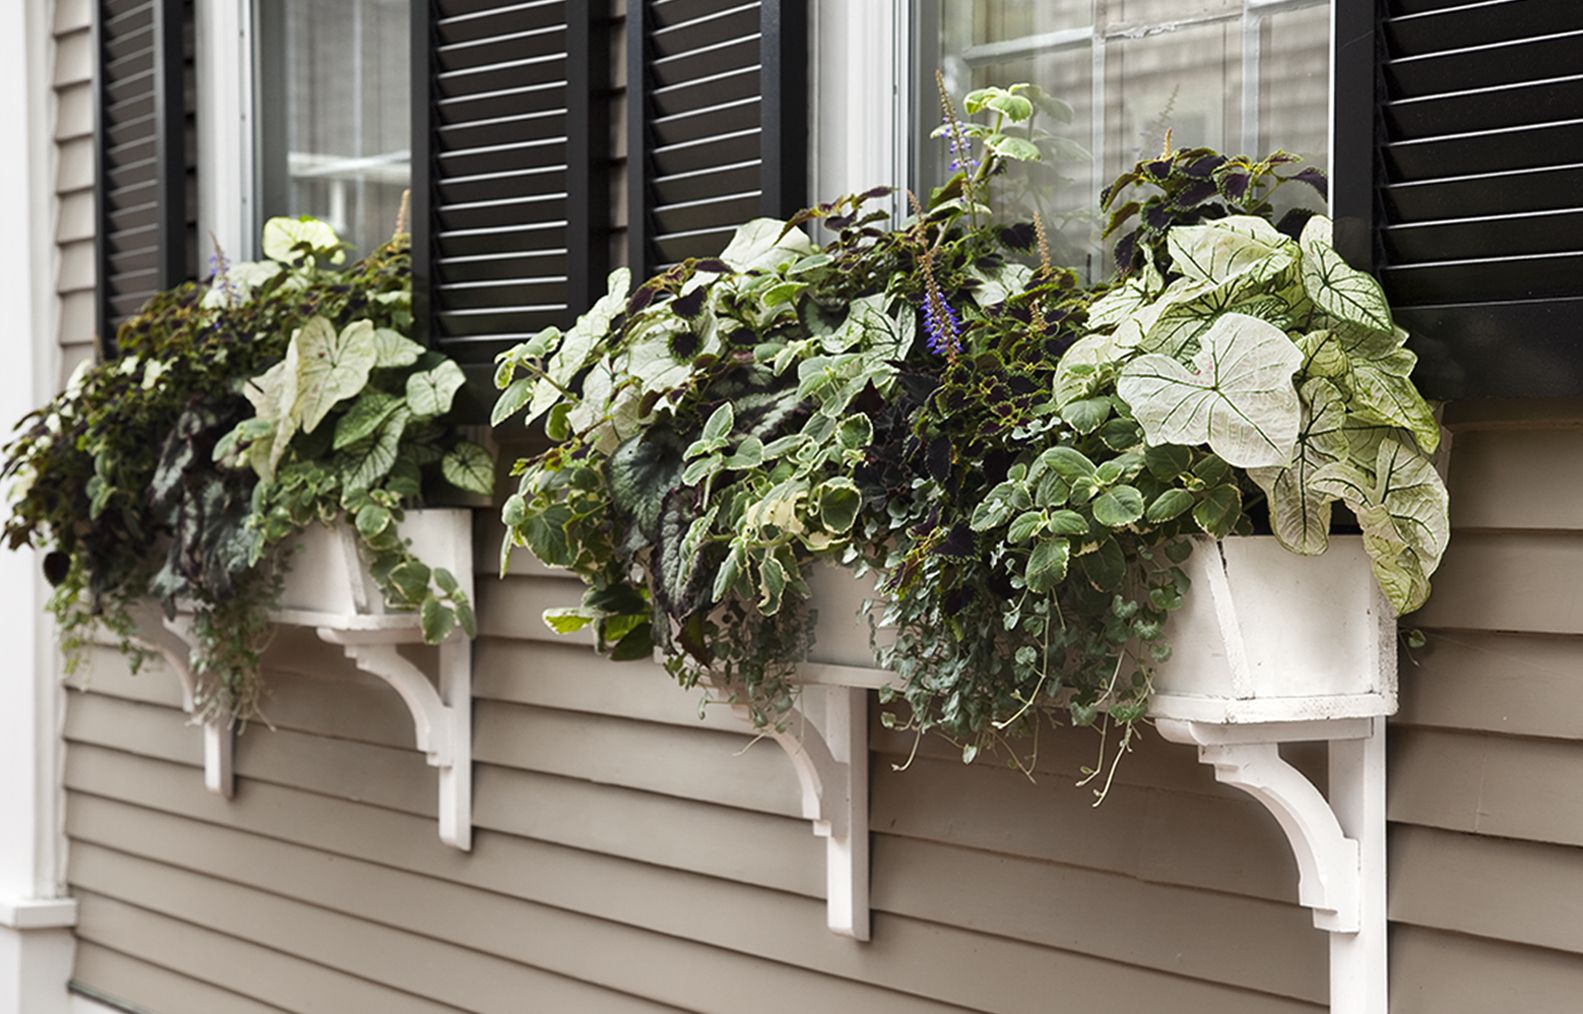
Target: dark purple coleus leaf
x=713 y=265
x=938 y=459
x=690 y=305
x=1235 y=185
x=1315 y=178
x=839 y=221
x=1158 y=216
x=958 y=542
x=1195 y=193
x=1160 y=169
x=1021 y=236
x=640 y=299
x=1201 y=168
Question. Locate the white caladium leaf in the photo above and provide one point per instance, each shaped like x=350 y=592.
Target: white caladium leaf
x=1299 y=513
x=1227 y=248
x=283 y=239
x=1236 y=395
x=760 y=246
x=1120 y=303
x=330 y=367
x=430 y=393
x=367 y=461
x=469 y=467
x=1338 y=288
x=392 y=348
x=1404 y=511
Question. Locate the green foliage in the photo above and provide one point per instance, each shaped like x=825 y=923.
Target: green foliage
x=133 y=477
x=1025 y=481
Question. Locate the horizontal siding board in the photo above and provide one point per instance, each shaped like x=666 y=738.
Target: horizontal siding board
x=1515 y=581
x=1504 y=786
x=388 y=961
x=1434 y=972
x=114 y=976
x=1223 y=844
x=1488 y=465
x=933 y=959
x=1518 y=684
x=281 y=979
x=413 y=913
x=1257 y=945
x=702 y=764
x=1522 y=892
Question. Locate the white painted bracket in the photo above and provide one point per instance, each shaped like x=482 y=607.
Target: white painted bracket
x=1339 y=842
x=827 y=741
x=442 y=716
x=172 y=638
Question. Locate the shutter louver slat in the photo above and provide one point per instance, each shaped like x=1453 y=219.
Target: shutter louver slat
x=1465 y=192
x=509 y=188
x=717 y=122
x=146 y=235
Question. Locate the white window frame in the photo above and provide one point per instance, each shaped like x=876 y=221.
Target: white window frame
x=861 y=92
x=226 y=187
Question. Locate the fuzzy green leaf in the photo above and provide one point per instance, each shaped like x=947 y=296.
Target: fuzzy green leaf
x=1047 y=565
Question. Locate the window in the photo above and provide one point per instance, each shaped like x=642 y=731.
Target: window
x=1239 y=75
x=332 y=88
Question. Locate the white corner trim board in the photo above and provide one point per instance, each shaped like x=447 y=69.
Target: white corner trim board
x=330 y=592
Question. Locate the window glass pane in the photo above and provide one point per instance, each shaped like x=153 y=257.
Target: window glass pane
x=333 y=93
x=1188 y=81
x=1232 y=74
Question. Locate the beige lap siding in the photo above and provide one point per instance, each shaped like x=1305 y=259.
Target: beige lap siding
x=632 y=857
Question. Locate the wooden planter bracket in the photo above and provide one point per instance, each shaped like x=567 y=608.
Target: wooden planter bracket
x=441 y=716
x=827 y=742
x=1339 y=842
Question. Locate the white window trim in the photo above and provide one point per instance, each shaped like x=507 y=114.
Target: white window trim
x=226 y=188
x=862 y=106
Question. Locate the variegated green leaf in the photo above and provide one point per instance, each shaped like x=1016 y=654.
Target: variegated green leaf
x=330 y=367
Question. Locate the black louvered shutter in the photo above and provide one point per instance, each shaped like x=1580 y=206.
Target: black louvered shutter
x=1459 y=172
x=146 y=232
x=510 y=171
x=717 y=122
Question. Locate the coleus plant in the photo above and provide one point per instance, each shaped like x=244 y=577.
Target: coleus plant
x=1020 y=459
x=134 y=477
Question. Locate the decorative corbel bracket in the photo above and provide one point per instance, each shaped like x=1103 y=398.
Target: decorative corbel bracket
x=172 y=638
x=827 y=742
x=442 y=716
x=1339 y=842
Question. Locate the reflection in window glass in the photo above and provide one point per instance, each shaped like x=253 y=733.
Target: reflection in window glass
x=1237 y=75
x=333 y=112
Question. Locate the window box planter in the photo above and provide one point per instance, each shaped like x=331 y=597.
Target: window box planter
x=1265 y=636
x=329 y=590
